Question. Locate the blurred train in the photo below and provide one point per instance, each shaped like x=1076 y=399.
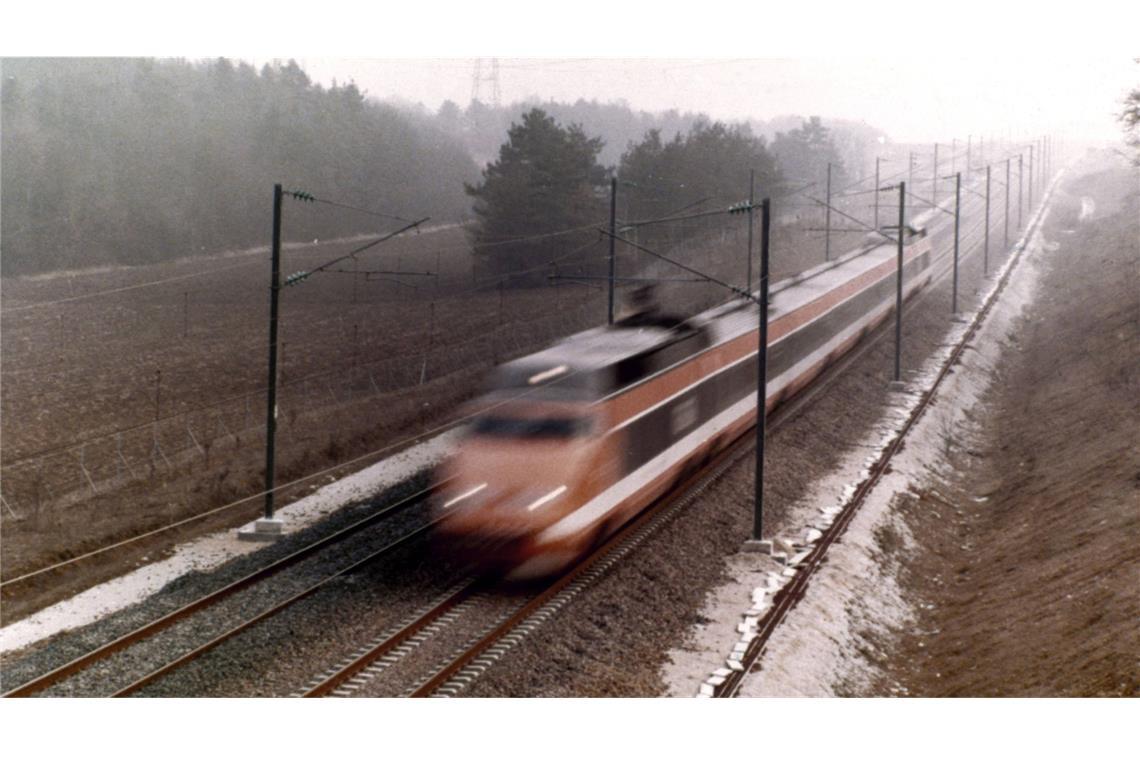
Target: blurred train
x=571 y=442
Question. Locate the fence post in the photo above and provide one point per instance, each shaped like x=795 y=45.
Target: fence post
x=39 y=487
x=957 y=217
x=157 y=447
x=899 y=284
x=499 y=327
x=613 y=239
x=986 y=248
x=427 y=352
x=1005 y=235
x=934 y=179
x=751 y=201
x=119 y=450
x=1030 y=178
x=827 y=219
x=193 y=440
x=1020 y=190
x=876 y=193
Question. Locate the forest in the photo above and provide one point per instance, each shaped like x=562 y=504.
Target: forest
x=131 y=161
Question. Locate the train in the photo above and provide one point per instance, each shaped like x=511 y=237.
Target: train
x=571 y=442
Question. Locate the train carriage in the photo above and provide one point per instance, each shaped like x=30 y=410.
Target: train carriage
x=574 y=440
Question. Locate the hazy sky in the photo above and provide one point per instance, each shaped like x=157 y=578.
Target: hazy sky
x=912 y=100
x=920 y=71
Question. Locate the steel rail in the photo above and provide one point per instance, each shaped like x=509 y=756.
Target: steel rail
x=197 y=652
x=330 y=683
x=147 y=630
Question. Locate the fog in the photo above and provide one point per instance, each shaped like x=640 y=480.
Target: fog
x=912 y=100
x=182 y=133
x=919 y=72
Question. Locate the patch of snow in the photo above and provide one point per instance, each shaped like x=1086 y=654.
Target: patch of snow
x=854 y=597
x=210 y=551
x=216 y=256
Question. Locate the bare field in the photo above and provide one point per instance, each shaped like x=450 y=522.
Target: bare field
x=133 y=398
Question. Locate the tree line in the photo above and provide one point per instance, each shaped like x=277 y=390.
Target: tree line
x=548 y=178
x=130 y=161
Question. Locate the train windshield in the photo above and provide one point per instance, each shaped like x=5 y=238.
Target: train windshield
x=496 y=426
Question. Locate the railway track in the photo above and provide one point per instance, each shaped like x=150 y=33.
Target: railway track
x=201 y=605
x=486 y=644
x=490 y=625
x=729 y=680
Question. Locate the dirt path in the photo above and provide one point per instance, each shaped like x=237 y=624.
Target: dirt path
x=1025 y=577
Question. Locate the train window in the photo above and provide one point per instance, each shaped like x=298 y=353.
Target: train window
x=638 y=366
x=530 y=427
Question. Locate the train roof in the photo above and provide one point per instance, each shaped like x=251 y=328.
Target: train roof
x=597 y=362
x=601 y=345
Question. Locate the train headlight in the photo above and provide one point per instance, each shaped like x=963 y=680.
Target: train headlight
x=465 y=495
x=546 y=499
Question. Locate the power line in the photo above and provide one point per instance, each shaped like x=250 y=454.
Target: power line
x=740 y=291
x=303 y=196
x=530 y=237
x=305 y=274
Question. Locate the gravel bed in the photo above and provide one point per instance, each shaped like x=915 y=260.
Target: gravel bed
x=281 y=655
x=613 y=640
x=478 y=617
x=44 y=656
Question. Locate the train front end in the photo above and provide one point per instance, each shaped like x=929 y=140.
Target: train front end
x=528 y=460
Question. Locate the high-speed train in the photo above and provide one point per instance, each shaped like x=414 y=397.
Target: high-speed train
x=571 y=442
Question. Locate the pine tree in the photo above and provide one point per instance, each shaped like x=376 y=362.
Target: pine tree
x=706 y=168
x=805 y=152
x=546 y=179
